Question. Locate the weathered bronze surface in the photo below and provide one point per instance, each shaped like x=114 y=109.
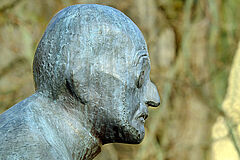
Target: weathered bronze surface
x=91 y=72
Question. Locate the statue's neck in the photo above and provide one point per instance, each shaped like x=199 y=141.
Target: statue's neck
x=83 y=145
x=70 y=128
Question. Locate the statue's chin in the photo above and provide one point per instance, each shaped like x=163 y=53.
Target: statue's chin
x=138 y=131
x=134 y=134
x=128 y=133
x=141 y=134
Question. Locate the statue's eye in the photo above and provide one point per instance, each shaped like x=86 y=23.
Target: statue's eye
x=140 y=80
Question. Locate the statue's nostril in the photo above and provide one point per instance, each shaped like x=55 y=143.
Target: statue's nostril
x=152 y=104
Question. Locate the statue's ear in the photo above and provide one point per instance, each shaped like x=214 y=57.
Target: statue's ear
x=80 y=83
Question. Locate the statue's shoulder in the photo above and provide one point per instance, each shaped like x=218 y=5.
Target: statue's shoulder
x=17 y=115
x=20 y=137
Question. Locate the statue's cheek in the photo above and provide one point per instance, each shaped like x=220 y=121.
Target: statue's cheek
x=131 y=102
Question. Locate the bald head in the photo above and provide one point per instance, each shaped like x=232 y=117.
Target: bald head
x=83 y=36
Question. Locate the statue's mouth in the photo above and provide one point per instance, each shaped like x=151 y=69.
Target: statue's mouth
x=143 y=116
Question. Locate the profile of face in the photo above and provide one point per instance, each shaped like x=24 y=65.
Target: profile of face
x=107 y=67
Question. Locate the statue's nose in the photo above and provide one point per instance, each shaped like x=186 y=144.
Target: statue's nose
x=152 y=98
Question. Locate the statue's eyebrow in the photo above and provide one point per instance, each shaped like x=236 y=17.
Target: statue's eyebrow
x=140 y=54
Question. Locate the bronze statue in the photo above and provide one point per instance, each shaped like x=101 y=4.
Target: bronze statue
x=91 y=72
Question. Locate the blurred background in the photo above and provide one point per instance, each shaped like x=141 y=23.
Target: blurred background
x=193 y=46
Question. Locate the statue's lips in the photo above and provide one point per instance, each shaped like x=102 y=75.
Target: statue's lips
x=142 y=117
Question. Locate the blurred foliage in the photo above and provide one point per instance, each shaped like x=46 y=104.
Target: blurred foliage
x=191 y=45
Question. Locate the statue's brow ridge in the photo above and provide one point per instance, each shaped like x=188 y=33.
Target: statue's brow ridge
x=140 y=54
